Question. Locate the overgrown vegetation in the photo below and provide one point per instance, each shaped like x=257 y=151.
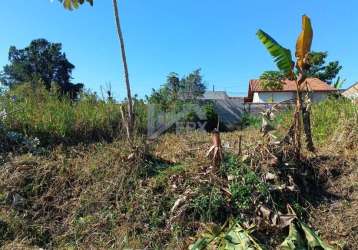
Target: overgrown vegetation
x=69 y=180
x=105 y=195
x=34 y=111
x=327 y=117
x=146 y=202
x=138 y=200
x=53 y=118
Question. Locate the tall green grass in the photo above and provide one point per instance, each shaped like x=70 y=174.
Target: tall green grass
x=34 y=111
x=326 y=117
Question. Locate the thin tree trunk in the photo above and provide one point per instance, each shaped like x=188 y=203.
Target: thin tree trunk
x=130 y=118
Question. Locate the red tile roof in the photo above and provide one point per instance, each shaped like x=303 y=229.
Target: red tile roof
x=313 y=84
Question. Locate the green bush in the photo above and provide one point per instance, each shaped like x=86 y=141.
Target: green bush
x=141 y=115
x=245 y=185
x=209 y=205
x=249 y=120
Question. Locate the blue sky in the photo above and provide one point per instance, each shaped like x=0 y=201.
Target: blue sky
x=163 y=36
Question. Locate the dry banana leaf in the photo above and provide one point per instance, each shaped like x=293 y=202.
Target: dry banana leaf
x=304 y=42
x=235 y=237
x=313 y=240
x=301 y=237
x=294 y=240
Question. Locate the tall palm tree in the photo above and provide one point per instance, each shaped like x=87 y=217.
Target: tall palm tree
x=129 y=121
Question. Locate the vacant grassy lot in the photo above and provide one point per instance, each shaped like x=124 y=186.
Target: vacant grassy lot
x=105 y=195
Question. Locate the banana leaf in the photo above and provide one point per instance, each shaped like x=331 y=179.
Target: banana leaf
x=207 y=237
x=339 y=83
x=313 y=240
x=281 y=55
x=301 y=237
x=200 y=244
x=304 y=41
x=239 y=239
x=235 y=237
x=294 y=240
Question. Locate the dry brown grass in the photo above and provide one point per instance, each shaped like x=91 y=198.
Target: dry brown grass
x=337 y=219
x=65 y=192
x=95 y=197
x=193 y=146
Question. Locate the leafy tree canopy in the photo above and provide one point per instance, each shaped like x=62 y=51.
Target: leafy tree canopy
x=327 y=72
x=318 y=68
x=272 y=80
x=182 y=94
x=40 y=61
x=175 y=89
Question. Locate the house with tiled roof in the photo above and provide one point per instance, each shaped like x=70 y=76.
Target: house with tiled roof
x=318 y=90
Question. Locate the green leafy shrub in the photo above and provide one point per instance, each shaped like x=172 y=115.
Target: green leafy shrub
x=249 y=120
x=244 y=184
x=209 y=205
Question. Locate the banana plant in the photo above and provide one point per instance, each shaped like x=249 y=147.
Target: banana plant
x=281 y=55
x=283 y=59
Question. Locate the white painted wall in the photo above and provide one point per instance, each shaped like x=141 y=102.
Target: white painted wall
x=272 y=97
x=276 y=97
